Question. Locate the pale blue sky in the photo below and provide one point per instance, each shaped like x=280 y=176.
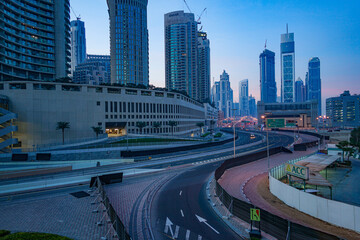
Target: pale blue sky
x=237 y=30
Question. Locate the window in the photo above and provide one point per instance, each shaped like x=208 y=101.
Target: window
x=106 y=106
x=98 y=103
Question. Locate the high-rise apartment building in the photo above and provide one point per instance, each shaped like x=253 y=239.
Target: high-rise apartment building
x=314 y=81
x=204 y=67
x=287 y=61
x=215 y=94
x=78 y=43
x=94 y=71
x=252 y=106
x=181 y=53
x=244 y=97
x=129 y=41
x=343 y=111
x=34 y=40
x=299 y=91
x=267 y=76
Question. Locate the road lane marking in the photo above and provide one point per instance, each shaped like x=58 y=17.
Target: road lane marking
x=182 y=213
x=168 y=225
x=187 y=237
x=176 y=232
x=180 y=193
x=199 y=237
x=203 y=220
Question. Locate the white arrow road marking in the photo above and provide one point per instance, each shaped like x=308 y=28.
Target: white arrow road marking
x=168 y=225
x=180 y=193
x=182 y=213
x=205 y=221
x=187 y=234
x=177 y=228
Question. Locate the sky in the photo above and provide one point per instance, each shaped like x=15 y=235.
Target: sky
x=238 y=29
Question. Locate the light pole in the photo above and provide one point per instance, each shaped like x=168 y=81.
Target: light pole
x=267 y=143
x=234 y=129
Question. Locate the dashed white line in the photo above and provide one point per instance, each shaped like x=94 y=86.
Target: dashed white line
x=180 y=193
x=176 y=232
x=182 y=213
x=199 y=237
x=187 y=236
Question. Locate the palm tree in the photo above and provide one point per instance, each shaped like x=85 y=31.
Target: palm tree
x=62 y=126
x=200 y=125
x=172 y=124
x=97 y=130
x=140 y=125
x=157 y=125
x=345 y=147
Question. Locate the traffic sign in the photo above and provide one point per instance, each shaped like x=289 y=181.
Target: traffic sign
x=275 y=123
x=297 y=171
x=255 y=214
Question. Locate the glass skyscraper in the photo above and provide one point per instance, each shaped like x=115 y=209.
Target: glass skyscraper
x=267 y=76
x=314 y=81
x=204 y=67
x=181 y=53
x=34 y=40
x=287 y=61
x=78 y=43
x=129 y=41
x=299 y=91
x=244 y=97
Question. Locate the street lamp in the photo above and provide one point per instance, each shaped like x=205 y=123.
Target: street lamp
x=267 y=144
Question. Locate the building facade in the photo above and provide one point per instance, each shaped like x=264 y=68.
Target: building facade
x=35 y=40
x=39 y=106
x=300 y=91
x=78 y=43
x=181 y=53
x=94 y=71
x=287 y=64
x=204 y=67
x=344 y=111
x=285 y=115
x=244 y=97
x=314 y=81
x=268 y=88
x=129 y=41
x=225 y=95
x=252 y=107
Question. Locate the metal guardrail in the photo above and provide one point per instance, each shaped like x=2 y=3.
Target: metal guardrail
x=114 y=219
x=272 y=224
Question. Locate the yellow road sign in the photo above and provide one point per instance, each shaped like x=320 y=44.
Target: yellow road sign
x=255 y=214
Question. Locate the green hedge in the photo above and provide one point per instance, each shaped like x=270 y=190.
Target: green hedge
x=32 y=236
x=205 y=134
x=218 y=135
x=4 y=233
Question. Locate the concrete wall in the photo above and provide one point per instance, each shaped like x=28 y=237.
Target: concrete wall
x=334 y=212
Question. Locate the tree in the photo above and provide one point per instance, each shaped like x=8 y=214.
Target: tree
x=172 y=124
x=157 y=125
x=346 y=148
x=62 y=126
x=355 y=138
x=200 y=125
x=140 y=125
x=97 y=131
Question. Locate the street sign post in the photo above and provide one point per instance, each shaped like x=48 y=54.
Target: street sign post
x=255 y=214
x=255 y=217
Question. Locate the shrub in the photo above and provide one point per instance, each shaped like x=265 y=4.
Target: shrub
x=33 y=236
x=218 y=135
x=4 y=233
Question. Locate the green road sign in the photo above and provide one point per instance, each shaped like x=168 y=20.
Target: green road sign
x=275 y=122
x=255 y=214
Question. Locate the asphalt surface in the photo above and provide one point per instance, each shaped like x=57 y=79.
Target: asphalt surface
x=181 y=209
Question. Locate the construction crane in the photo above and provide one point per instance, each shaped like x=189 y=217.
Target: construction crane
x=201 y=15
x=187 y=6
x=265 y=43
x=77 y=16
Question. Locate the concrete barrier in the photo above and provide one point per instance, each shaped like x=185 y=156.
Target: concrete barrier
x=334 y=212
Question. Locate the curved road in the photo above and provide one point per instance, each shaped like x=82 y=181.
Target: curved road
x=181 y=209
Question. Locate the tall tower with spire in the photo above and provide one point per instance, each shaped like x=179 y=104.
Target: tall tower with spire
x=287 y=66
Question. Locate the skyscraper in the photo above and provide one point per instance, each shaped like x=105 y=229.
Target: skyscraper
x=181 y=53
x=252 y=106
x=315 y=81
x=204 y=67
x=224 y=94
x=129 y=41
x=244 y=97
x=95 y=70
x=34 y=40
x=78 y=43
x=299 y=91
x=287 y=61
x=267 y=76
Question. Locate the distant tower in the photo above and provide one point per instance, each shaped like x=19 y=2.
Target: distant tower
x=267 y=76
x=244 y=97
x=299 y=90
x=287 y=63
x=204 y=67
x=315 y=81
x=226 y=95
x=129 y=41
x=78 y=43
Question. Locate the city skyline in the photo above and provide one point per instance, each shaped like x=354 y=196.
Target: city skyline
x=249 y=35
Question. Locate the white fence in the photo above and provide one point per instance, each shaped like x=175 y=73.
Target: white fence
x=334 y=212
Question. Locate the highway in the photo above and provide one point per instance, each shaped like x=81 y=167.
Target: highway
x=181 y=209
